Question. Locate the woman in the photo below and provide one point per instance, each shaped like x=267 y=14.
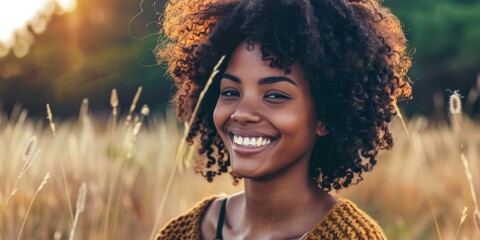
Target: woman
x=300 y=107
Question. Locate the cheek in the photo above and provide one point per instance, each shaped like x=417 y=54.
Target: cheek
x=220 y=117
x=296 y=118
x=298 y=125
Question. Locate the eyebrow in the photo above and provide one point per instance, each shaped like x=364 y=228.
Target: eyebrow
x=262 y=81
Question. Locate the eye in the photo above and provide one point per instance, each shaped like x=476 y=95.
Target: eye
x=229 y=94
x=276 y=97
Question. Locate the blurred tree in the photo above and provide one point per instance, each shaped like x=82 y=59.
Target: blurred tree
x=90 y=51
x=85 y=54
x=446 y=37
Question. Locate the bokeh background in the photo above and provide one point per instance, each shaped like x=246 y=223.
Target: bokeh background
x=82 y=53
x=95 y=46
x=62 y=51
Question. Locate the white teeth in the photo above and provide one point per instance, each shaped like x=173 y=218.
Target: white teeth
x=259 y=142
x=251 y=141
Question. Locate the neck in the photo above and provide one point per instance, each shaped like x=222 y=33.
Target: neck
x=288 y=202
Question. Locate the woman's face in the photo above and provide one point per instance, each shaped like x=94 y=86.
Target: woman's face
x=266 y=118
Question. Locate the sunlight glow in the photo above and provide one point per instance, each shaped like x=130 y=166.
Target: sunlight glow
x=16 y=17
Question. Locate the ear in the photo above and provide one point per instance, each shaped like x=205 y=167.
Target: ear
x=321 y=129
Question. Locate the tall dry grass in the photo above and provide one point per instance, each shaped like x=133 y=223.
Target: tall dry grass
x=125 y=168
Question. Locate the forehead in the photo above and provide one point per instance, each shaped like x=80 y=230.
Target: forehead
x=246 y=62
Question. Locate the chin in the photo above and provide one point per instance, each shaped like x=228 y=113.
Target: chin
x=250 y=172
x=246 y=172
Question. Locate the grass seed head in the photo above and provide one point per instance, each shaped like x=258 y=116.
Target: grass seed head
x=135 y=99
x=50 y=119
x=49 y=112
x=84 y=107
x=455 y=103
x=476 y=219
x=44 y=181
x=114 y=98
x=82 y=194
x=29 y=148
x=145 y=110
x=464 y=214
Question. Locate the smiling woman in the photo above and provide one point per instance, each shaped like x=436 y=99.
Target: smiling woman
x=301 y=107
x=260 y=104
x=17 y=16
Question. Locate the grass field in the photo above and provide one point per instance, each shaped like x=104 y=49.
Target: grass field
x=126 y=175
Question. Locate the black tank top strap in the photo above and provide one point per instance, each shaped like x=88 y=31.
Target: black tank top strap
x=221 y=218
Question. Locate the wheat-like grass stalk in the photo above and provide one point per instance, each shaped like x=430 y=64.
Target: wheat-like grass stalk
x=67 y=190
x=29 y=148
x=476 y=215
x=137 y=125
x=29 y=155
x=462 y=219
x=455 y=107
x=62 y=167
x=180 y=150
x=420 y=167
x=50 y=119
x=144 y=112
x=114 y=101
x=114 y=104
x=83 y=115
x=82 y=194
x=42 y=184
x=470 y=179
x=456 y=111
x=133 y=106
x=126 y=146
x=400 y=116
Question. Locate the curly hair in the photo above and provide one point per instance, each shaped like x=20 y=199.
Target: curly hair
x=353 y=53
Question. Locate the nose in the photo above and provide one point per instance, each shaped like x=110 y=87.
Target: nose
x=246 y=112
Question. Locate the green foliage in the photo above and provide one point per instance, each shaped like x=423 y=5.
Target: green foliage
x=444 y=33
x=86 y=53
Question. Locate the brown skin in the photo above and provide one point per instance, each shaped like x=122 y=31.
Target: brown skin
x=280 y=199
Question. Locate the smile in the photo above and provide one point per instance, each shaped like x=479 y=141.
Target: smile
x=251 y=141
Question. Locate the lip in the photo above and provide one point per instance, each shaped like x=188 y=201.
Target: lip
x=241 y=150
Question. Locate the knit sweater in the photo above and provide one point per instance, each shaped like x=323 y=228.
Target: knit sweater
x=344 y=221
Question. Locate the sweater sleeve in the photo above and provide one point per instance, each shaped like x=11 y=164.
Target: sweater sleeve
x=347 y=221
x=187 y=225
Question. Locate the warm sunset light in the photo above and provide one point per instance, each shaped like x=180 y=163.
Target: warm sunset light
x=16 y=17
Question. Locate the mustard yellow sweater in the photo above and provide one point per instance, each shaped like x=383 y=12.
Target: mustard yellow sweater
x=343 y=221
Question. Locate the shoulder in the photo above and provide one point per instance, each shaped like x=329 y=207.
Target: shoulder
x=346 y=221
x=189 y=222
x=209 y=223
